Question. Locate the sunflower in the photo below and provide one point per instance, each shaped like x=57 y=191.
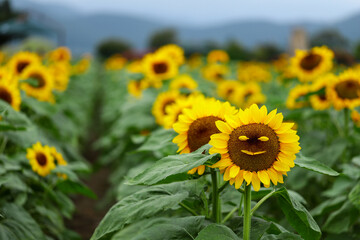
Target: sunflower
x=215 y=72
x=319 y=100
x=255 y=146
x=42 y=90
x=253 y=72
x=61 y=54
x=344 y=91
x=135 y=87
x=10 y=93
x=135 y=66
x=60 y=72
x=115 y=62
x=194 y=61
x=173 y=111
x=162 y=101
x=159 y=66
x=296 y=94
x=58 y=157
x=217 y=56
x=229 y=90
x=183 y=81
x=249 y=94
x=196 y=125
x=41 y=159
x=21 y=61
x=175 y=52
x=82 y=66
x=307 y=65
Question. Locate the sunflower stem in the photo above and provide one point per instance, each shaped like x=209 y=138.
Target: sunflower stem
x=188 y=209
x=215 y=196
x=262 y=201
x=247 y=215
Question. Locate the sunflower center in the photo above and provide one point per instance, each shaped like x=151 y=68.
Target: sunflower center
x=5 y=95
x=219 y=76
x=39 y=78
x=200 y=131
x=229 y=92
x=310 y=61
x=167 y=103
x=348 y=89
x=160 y=67
x=41 y=159
x=21 y=66
x=256 y=149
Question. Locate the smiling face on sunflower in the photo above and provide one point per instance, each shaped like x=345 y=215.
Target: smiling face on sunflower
x=307 y=65
x=344 y=91
x=159 y=66
x=255 y=146
x=21 y=61
x=197 y=124
x=43 y=84
x=41 y=159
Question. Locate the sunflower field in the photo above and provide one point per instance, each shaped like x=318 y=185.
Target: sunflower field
x=202 y=147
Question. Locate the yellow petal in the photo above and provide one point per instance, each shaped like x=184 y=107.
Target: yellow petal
x=270 y=116
x=218 y=150
x=181 y=127
x=247 y=177
x=276 y=122
x=284 y=127
x=218 y=143
x=201 y=169
x=222 y=163
x=255 y=182
x=192 y=171
x=264 y=177
x=273 y=175
x=179 y=138
x=263 y=113
x=288 y=138
x=239 y=180
x=281 y=166
x=255 y=113
x=223 y=127
x=231 y=121
x=227 y=174
x=234 y=170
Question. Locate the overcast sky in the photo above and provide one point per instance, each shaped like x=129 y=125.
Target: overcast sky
x=207 y=12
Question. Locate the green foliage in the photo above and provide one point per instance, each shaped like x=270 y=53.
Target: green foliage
x=331 y=38
x=313 y=165
x=162 y=37
x=111 y=46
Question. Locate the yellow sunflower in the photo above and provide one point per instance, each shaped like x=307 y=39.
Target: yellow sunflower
x=162 y=101
x=135 y=87
x=194 y=61
x=217 y=56
x=255 y=146
x=10 y=93
x=135 y=66
x=42 y=90
x=61 y=54
x=344 y=91
x=249 y=94
x=41 y=159
x=229 y=90
x=319 y=101
x=58 y=157
x=196 y=125
x=174 y=111
x=159 y=66
x=174 y=52
x=215 y=72
x=60 y=72
x=82 y=66
x=294 y=100
x=254 y=72
x=21 y=61
x=183 y=81
x=307 y=65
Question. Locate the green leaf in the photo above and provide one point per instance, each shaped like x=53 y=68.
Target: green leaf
x=297 y=215
x=314 y=165
x=145 y=203
x=258 y=226
x=284 y=236
x=185 y=228
x=342 y=220
x=17 y=224
x=172 y=165
x=354 y=196
x=13 y=181
x=158 y=140
x=215 y=232
x=328 y=205
x=70 y=187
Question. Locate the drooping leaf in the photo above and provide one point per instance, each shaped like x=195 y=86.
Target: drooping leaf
x=215 y=232
x=314 y=165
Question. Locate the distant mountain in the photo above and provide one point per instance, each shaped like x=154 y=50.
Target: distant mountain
x=83 y=32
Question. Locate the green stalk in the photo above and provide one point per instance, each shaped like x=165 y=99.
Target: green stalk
x=188 y=209
x=262 y=201
x=215 y=196
x=247 y=215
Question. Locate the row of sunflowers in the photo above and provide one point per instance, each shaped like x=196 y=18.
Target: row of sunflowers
x=208 y=148
x=41 y=134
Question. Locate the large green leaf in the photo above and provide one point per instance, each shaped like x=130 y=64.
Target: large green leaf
x=259 y=226
x=314 y=165
x=186 y=228
x=328 y=205
x=158 y=140
x=354 y=196
x=297 y=215
x=341 y=221
x=215 y=232
x=17 y=224
x=145 y=203
x=71 y=187
x=282 y=236
x=172 y=165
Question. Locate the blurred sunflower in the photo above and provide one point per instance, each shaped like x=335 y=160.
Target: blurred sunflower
x=61 y=54
x=253 y=72
x=115 y=62
x=255 y=146
x=22 y=60
x=43 y=84
x=10 y=93
x=58 y=157
x=344 y=91
x=60 y=72
x=355 y=116
x=135 y=87
x=173 y=51
x=159 y=66
x=196 y=125
x=183 y=81
x=249 y=94
x=307 y=65
x=162 y=101
x=217 y=56
x=82 y=66
x=295 y=99
x=229 y=90
x=215 y=72
x=319 y=100
x=135 y=66
x=174 y=111
x=41 y=159
x=194 y=61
